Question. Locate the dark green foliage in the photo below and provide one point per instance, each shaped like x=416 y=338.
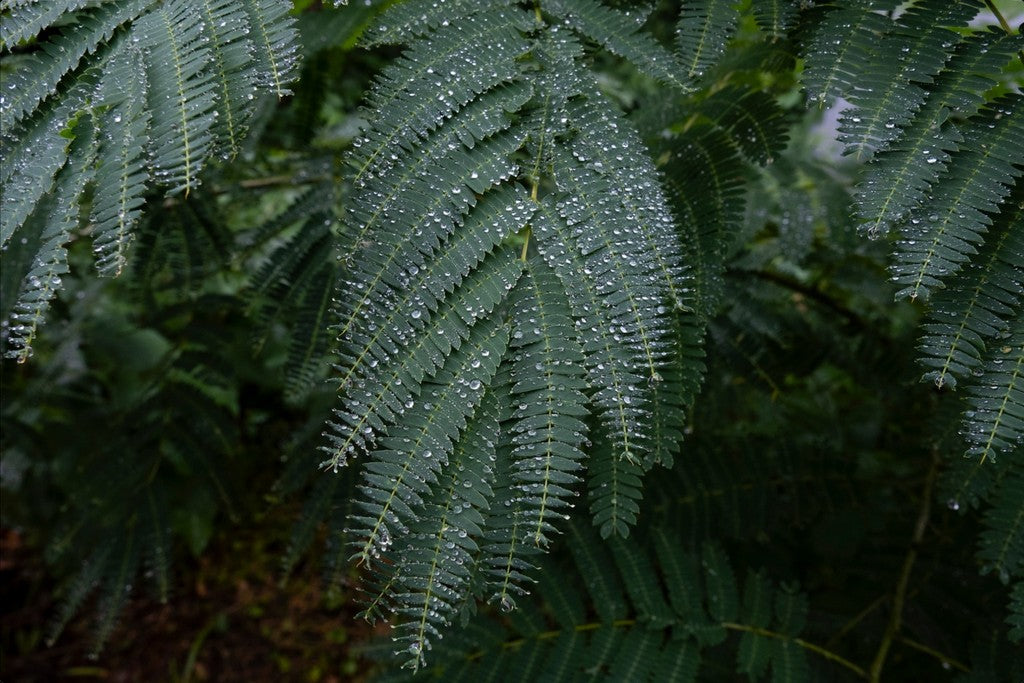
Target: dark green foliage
x=167 y=87
x=642 y=366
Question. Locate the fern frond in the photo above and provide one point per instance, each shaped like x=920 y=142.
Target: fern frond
x=621 y=391
x=32 y=157
x=37 y=76
x=547 y=428
x=940 y=237
x=636 y=612
x=994 y=421
x=615 y=487
x=623 y=160
x=702 y=32
x=507 y=559
x=233 y=67
x=896 y=182
x=965 y=320
x=619 y=31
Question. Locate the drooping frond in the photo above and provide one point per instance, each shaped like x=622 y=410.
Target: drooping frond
x=411 y=329
x=169 y=85
x=702 y=32
x=642 y=611
x=619 y=31
x=897 y=181
x=401 y=474
x=547 y=428
x=403 y=21
x=1001 y=545
x=430 y=579
x=122 y=173
x=775 y=17
x=994 y=421
x=463 y=154
x=842 y=44
x=51 y=227
x=888 y=92
x=274 y=45
x=942 y=235
x=182 y=132
x=964 y=321
x=36 y=77
x=25 y=21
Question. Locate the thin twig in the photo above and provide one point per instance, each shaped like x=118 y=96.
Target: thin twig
x=945 y=659
x=1003 y=23
x=900 y=594
x=817 y=649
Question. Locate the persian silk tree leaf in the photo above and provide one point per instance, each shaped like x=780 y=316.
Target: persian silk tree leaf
x=385 y=359
x=619 y=31
x=618 y=259
x=182 y=94
x=615 y=488
x=33 y=153
x=403 y=473
x=622 y=158
x=964 y=320
x=1001 y=546
x=233 y=68
x=26 y=21
x=994 y=420
x=547 y=428
x=889 y=92
x=275 y=41
x=59 y=216
x=435 y=78
x=36 y=77
x=941 y=236
x=431 y=578
x=620 y=392
x=775 y=17
x=702 y=33
x=381 y=192
x=403 y=21
x=122 y=171
x=898 y=178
